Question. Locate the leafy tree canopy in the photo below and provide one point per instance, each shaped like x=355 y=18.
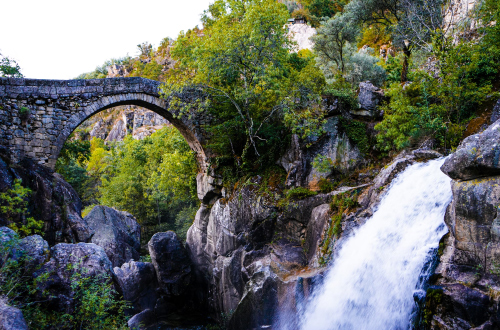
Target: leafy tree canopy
x=9 y=68
x=239 y=69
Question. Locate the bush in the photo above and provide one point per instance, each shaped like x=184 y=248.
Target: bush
x=98 y=305
x=14 y=206
x=300 y=193
x=362 y=65
x=24 y=112
x=325 y=186
x=356 y=131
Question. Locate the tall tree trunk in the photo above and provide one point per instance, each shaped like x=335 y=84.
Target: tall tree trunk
x=404 y=72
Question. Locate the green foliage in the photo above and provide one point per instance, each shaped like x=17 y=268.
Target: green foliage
x=9 y=68
x=299 y=193
x=337 y=55
x=14 y=207
x=357 y=133
x=439 y=107
x=362 y=66
x=86 y=210
x=102 y=71
x=325 y=186
x=341 y=204
x=154 y=178
x=98 y=306
x=405 y=122
x=323 y=164
x=394 y=66
x=344 y=92
x=71 y=162
x=374 y=36
x=318 y=9
x=331 y=42
x=24 y=112
x=240 y=71
x=433 y=298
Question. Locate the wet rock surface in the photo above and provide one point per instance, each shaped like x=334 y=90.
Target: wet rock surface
x=117 y=232
x=467 y=281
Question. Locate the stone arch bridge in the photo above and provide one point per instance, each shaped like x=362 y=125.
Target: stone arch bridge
x=57 y=107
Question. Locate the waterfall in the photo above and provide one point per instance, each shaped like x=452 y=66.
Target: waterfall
x=371 y=283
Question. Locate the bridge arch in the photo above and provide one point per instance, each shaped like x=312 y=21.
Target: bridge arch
x=149 y=102
x=37 y=116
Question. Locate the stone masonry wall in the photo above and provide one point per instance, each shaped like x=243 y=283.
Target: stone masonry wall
x=54 y=108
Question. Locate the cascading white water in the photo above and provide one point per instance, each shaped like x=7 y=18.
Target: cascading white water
x=371 y=283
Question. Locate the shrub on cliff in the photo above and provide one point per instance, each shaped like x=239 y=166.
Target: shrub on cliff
x=14 y=207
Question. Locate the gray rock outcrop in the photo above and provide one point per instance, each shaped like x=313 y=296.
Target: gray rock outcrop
x=467 y=281
x=11 y=318
x=67 y=263
x=369 y=98
x=52 y=200
x=117 y=232
x=171 y=263
x=138 y=283
x=334 y=147
x=477 y=156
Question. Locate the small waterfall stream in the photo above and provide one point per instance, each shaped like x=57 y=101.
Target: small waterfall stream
x=371 y=283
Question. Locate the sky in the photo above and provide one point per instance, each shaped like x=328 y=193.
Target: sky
x=60 y=39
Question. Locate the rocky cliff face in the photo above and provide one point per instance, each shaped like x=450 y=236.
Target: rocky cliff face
x=52 y=200
x=257 y=253
x=115 y=124
x=466 y=287
x=333 y=148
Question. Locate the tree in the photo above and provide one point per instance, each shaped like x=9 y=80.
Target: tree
x=337 y=54
x=9 y=68
x=237 y=69
x=331 y=40
x=319 y=9
x=412 y=23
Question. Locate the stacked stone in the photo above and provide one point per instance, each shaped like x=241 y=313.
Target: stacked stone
x=37 y=116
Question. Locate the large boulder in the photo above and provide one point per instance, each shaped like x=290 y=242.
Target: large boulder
x=477 y=156
x=67 y=264
x=369 y=97
x=11 y=318
x=138 y=283
x=7 y=235
x=32 y=250
x=257 y=307
x=52 y=200
x=117 y=232
x=171 y=263
x=35 y=248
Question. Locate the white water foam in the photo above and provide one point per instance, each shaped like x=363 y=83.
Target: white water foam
x=371 y=283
